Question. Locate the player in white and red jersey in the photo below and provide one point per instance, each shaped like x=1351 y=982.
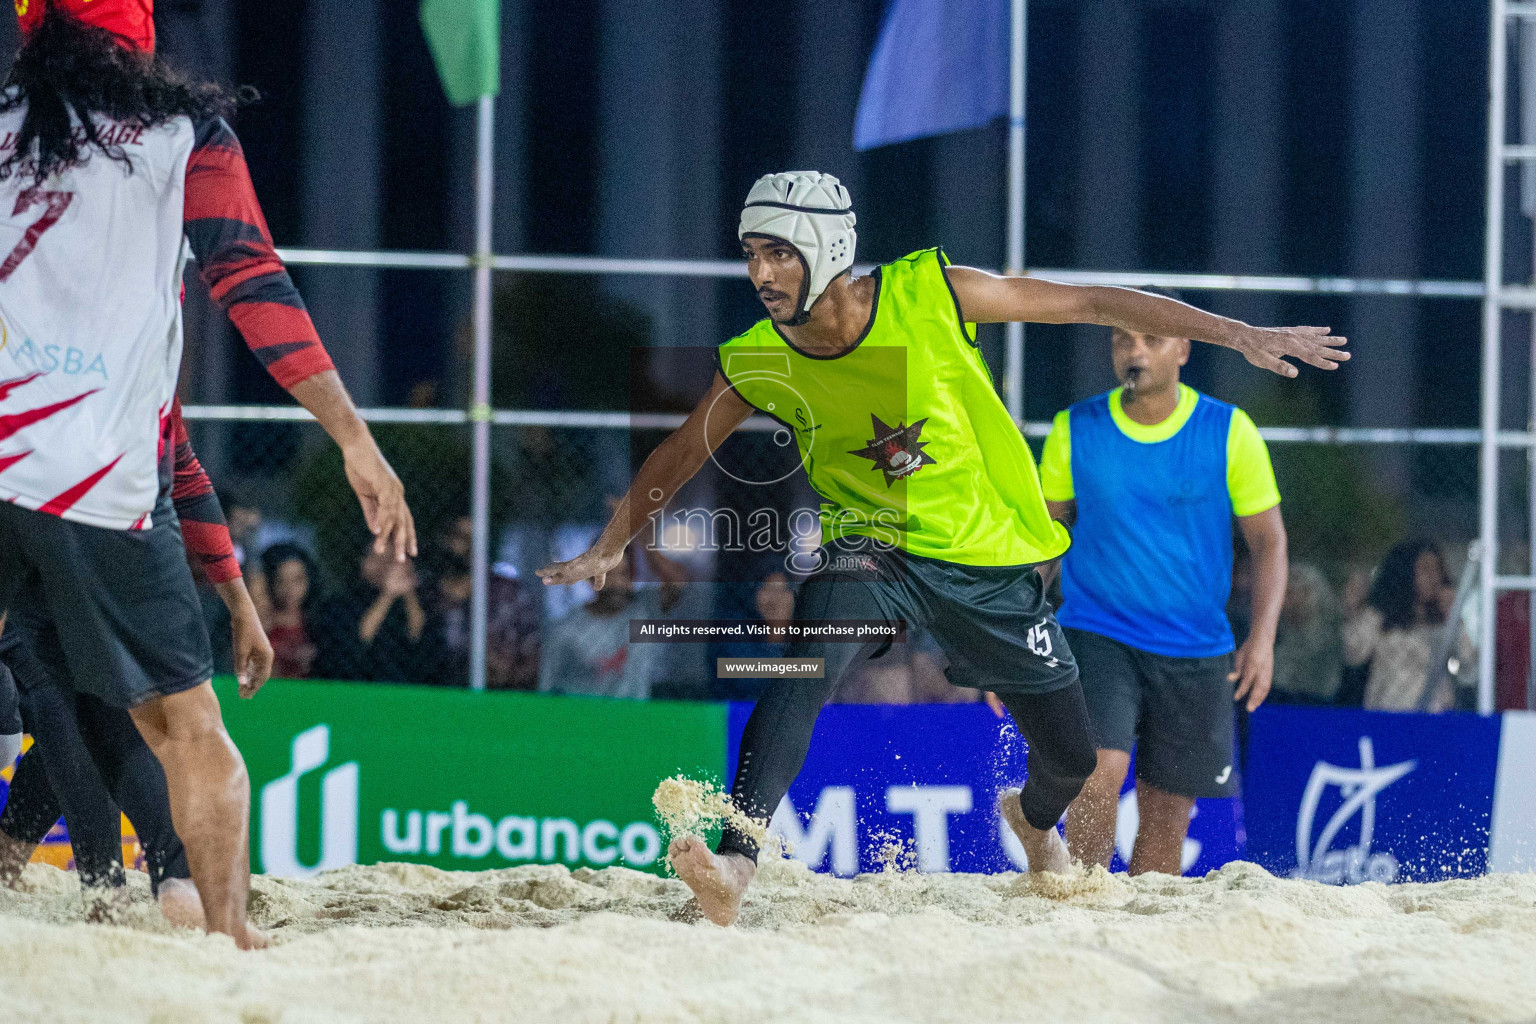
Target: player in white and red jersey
x=112 y=170
x=88 y=763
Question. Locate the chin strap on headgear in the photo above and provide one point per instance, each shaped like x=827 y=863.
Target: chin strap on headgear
x=814 y=214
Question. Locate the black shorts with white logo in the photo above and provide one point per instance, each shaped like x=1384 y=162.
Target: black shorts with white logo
x=992 y=623
x=123 y=602
x=1175 y=713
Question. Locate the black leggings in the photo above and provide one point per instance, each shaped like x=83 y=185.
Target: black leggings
x=778 y=736
x=88 y=760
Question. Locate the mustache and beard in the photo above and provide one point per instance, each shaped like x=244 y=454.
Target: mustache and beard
x=796 y=318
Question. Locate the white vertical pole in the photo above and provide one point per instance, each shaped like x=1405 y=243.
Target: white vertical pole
x=1527 y=57
x=480 y=407
x=1525 y=68
x=1013 y=360
x=1493 y=281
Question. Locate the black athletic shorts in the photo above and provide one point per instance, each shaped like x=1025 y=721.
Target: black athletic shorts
x=1175 y=713
x=123 y=602
x=993 y=624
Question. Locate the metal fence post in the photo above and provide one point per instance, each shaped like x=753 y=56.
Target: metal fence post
x=1013 y=359
x=480 y=406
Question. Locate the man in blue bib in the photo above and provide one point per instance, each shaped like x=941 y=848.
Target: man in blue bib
x=1150 y=476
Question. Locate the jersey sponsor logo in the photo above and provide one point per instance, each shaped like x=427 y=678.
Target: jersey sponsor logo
x=896 y=451
x=1189 y=493
x=803 y=424
x=1316 y=859
x=1226 y=773
x=65 y=359
x=110 y=135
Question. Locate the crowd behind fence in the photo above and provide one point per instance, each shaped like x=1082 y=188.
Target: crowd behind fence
x=336 y=611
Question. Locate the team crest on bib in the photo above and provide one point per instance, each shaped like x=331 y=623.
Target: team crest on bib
x=896 y=451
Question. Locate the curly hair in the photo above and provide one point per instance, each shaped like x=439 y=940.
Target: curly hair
x=76 y=80
x=1393 y=592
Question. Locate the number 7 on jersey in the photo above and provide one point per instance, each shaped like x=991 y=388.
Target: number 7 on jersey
x=54 y=204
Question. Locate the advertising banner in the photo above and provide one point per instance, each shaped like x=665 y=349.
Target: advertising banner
x=1346 y=796
x=1512 y=844
x=360 y=773
x=346 y=773
x=923 y=780
x=55 y=848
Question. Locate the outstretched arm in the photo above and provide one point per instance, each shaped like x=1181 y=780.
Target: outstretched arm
x=987 y=298
x=668 y=468
x=229 y=236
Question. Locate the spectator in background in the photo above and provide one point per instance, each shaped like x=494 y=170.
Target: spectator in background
x=512 y=615
x=587 y=651
x=244 y=520
x=1309 y=646
x=244 y=523
x=1393 y=624
x=292 y=597
x=378 y=630
x=772 y=599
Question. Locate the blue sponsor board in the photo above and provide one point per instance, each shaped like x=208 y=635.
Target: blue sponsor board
x=1349 y=796
x=925 y=778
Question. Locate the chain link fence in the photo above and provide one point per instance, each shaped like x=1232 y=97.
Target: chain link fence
x=337 y=611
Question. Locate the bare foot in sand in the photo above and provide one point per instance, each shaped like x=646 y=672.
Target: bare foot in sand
x=180 y=904
x=253 y=938
x=719 y=882
x=1046 y=850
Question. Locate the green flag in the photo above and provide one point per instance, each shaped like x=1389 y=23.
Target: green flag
x=465 y=39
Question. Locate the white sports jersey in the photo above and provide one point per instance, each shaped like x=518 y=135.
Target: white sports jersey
x=90 y=326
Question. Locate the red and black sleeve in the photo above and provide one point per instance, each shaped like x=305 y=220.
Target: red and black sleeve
x=236 y=259
x=202 y=518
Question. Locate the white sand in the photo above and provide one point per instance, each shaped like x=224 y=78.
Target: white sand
x=413 y=944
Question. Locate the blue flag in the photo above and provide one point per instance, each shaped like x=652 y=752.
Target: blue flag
x=939 y=66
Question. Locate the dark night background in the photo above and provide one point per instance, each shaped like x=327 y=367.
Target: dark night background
x=1250 y=136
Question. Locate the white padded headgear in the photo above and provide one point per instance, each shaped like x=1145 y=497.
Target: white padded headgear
x=812 y=212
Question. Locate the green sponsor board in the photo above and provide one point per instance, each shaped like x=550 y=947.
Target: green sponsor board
x=346 y=773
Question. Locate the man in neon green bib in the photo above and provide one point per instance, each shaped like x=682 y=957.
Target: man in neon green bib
x=932 y=510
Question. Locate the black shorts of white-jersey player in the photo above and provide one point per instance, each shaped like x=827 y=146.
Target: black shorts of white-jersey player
x=824 y=315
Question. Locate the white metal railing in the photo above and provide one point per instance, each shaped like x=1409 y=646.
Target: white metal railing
x=578 y=420
x=1499 y=296
x=480 y=416
x=558 y=264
